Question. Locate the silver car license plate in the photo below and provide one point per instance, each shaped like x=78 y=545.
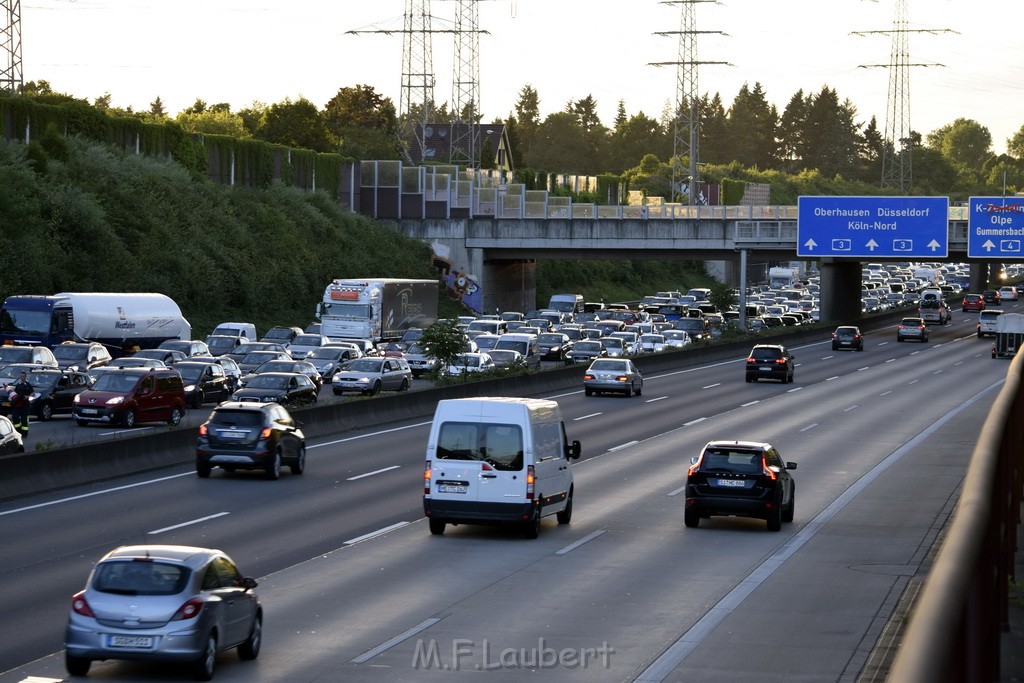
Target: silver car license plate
x=138 y=642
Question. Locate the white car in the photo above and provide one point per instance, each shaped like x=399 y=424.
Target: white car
x=652 y=343
x=676 y=338
x=466 y=363
x=1008 y=293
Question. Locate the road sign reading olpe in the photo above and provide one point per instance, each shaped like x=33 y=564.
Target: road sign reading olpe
x=899 y=227
x=995 y=227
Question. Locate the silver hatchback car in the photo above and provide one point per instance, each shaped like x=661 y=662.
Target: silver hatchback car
x=163 y=603
x=370 y=376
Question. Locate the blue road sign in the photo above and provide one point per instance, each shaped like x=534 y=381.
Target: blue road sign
x=901 y=227
x=995 y=228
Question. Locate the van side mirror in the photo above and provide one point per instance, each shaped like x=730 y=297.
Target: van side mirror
x=573 y=451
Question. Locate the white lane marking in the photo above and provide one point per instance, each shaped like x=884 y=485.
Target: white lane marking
x=790 y=391
x=712 y=386
x=677 y=491
x=882 y=343
x=913 y=381
x=133 y=430
x=914 y=353
x=370 y=474
x=621 y=446
x=693 y=422
x=190 y=523
x=744 y=405
x=829 y=379
x=868 y=367
x=388 y=644
x=827 y=357
x=367 y=435
x=663 y=666
x=584 y=417
x=652 y=400
x=853 y=407
x=960 y=362
x=96 y=493
x=810 y=426
x=885 y=393
x=891 y=360
x=937 y=372
x=572 y=546
x=374 y=534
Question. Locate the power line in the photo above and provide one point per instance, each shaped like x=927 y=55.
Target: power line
x=12 y=75
x=897 y=146
x=686 y=124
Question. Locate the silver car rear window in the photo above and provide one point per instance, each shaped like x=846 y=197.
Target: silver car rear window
x=140 y=577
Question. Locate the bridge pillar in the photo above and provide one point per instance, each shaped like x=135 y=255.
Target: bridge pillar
x=509 y=285
x=979 y=277
x=840 y=291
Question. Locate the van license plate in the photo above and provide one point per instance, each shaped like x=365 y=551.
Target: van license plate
x=130 y=641
x=447 y=488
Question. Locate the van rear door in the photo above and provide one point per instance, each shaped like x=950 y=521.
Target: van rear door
x=479 y=462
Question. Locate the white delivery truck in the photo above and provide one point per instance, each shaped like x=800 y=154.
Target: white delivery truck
x=498 y=460
x=1009 y=335
x=376 y=309
x=118 y=321
x=782 y=278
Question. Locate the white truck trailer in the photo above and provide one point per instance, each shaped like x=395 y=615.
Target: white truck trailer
x=1009 y=335
x=376 y=310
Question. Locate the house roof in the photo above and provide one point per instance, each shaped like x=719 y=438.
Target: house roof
x=437 y=140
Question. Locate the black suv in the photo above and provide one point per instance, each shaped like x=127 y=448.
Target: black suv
x=205 y=381
x=847 y=337
x=250 y=436
x=740 y=479
x=770 y=361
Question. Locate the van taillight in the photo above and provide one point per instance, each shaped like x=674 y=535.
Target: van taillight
x=531 y=478
x=427 y=474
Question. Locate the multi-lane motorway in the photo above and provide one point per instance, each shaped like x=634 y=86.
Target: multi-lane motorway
x=356 y=588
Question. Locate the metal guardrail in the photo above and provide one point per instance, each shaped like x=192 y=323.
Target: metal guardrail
x=954 y=629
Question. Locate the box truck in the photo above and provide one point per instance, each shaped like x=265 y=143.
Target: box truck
x=1009 y=335
x=118 y=321
x=376 y=310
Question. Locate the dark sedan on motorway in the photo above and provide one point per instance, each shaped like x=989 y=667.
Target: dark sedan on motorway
x=554 y=346
x=847 y=337
x=300 y=366
x=586 y=351
x=286 y=388
x=205 y=381
x=253 y=360
x=53 y=392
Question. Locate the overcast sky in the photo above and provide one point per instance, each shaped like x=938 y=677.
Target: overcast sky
x=241 y=51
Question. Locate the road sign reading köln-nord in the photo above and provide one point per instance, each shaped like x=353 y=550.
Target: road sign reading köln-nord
x=901 y=227
x=995 y=227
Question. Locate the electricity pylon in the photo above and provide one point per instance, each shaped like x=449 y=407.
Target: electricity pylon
x=12 y=76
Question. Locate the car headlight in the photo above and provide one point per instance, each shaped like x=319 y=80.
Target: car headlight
x=234 y=397
x=269 y=399
x=190 y=388
x=33 y=396
x=75 y=399
x=114 y=401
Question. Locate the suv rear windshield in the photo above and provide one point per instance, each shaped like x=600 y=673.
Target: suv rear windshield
x=140 y=577
x=734 y=461
x=237 y=418
x=766 y=354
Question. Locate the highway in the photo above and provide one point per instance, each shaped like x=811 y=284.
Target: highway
x=355 y=587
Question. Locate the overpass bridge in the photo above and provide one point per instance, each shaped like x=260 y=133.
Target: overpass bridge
x=490 y=260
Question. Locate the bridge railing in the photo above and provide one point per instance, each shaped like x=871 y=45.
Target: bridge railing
x=955 y=625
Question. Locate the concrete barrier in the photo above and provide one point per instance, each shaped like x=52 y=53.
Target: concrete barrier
x=41 y=471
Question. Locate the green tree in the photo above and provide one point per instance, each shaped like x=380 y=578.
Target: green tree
x=214 y=122
x=722 y=296
x=360 y=106
x=515 y=142
x=965 y=143
x=528 y=114
x=1015 y=145
x=156 y=107
x=872 y=149
x=252 y=115
x=443 y=341
x=752 y=123
x=296 y=124
x=620 y=114
x=632 y=139
x=830 y=135
x=714 y=131
x=561 y=144
x=792 y=124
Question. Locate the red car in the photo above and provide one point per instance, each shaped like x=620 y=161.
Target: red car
x=973 y=302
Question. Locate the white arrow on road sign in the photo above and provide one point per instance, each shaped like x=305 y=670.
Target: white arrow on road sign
x=810 y=244
x=872 y=245
x=933 y=245
x=988 y=245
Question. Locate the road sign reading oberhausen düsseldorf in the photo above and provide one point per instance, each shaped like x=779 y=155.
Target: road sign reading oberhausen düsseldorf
x=899 y=227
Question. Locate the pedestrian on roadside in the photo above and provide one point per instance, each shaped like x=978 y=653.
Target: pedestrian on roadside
x=20 y=404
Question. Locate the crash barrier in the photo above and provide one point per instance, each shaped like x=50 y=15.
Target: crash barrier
x=954 y=629
x=58 y=468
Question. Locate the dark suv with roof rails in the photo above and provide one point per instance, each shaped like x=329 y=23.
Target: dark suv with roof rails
x=770 y=361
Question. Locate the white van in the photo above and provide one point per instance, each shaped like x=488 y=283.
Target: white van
x=498 y=460
x=246 y=330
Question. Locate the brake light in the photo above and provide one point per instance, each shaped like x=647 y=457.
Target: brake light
x=780 y=361
x=751 y=360
x=427 y=474
x=79 y=605
x=265 y=434
x=622 y=378
x=203 y=430
x=189 y=610
x=588 y=376
x=695 y=466
x=531 y=478
x=767 y=471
